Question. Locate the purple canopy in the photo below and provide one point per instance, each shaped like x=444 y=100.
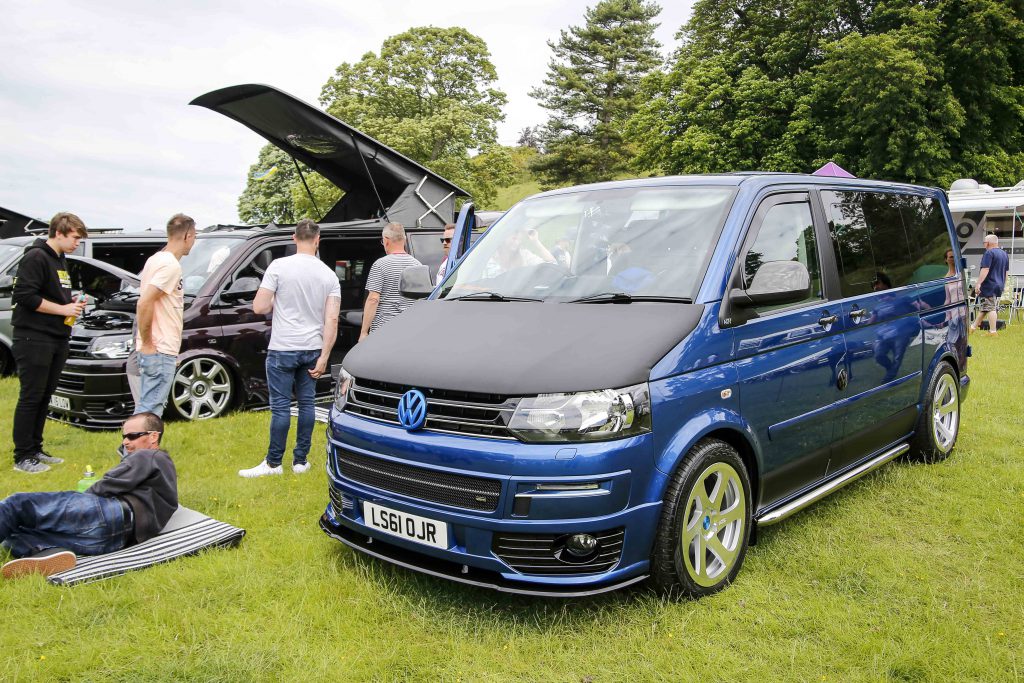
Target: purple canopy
x=833 y=170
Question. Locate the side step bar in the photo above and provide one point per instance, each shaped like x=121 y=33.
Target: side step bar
x=814 y=495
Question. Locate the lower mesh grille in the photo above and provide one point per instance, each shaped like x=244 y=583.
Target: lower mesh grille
x=457 y=490
x=543 y=553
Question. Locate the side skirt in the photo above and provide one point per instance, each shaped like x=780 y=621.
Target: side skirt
x=778 y=514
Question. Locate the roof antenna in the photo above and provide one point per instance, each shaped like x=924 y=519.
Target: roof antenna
x=355 y=143
x=311 y=198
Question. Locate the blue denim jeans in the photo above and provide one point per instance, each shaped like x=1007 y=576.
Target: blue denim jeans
x=83 y=523
x=157 y=374
x=288 y=371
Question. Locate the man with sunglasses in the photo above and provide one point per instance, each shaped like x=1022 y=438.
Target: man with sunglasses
x=130 y=504
x=446 y=242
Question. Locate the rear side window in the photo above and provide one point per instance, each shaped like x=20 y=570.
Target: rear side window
x=885 y=240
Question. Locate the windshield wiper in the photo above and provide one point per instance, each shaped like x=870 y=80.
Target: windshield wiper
x=489 y=296
x=623 y=298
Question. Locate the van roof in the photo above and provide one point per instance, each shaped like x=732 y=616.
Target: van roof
x=756 y=179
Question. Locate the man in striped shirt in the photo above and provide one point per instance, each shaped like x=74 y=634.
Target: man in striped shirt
x=383 y=300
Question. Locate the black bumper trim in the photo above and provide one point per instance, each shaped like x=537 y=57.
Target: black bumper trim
x=453 y=572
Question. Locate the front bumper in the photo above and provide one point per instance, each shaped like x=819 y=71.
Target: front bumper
x=93 y=394
x=476 y=551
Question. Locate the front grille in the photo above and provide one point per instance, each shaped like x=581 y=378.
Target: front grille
x=542 y=553
x=459 y=412
x=457 y=490
x=78 y=347
x=74 y=384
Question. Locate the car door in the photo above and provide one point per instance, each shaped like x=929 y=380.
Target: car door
x=789 y=357
x=877 y=275
x=350 y=257
x=246 y=334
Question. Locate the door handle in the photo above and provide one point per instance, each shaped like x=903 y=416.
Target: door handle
x=826 y=320
x=858 y=314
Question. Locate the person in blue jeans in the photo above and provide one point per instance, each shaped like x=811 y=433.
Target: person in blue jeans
x=304 y=296
x=45 y=532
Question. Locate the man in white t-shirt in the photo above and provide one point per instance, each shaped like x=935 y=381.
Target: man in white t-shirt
x=383 y=299
x=305 y=298
x=159 y=316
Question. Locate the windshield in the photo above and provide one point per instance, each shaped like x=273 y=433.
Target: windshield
x=206 y=256
x=644 y=242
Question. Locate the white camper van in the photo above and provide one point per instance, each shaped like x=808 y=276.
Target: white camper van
x=981 y=209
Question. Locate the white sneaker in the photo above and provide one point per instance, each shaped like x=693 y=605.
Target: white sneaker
x=301 y=469
x=261 y=470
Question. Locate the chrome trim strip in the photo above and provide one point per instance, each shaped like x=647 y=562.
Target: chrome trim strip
x=828 y=487
x=567 y=494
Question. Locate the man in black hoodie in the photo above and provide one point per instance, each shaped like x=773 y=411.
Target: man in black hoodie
x=42 y=302
x=130 y=504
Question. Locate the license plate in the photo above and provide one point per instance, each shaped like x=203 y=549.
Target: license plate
x=413 y=527
x=60 y=402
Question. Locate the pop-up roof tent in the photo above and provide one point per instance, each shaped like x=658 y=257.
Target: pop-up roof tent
x=379 y=183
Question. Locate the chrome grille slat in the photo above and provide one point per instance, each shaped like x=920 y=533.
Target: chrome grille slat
x=450 y=412
x=535 y=553
x=438 y=486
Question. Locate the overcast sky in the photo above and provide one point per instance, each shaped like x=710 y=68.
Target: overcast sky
x=94 y=114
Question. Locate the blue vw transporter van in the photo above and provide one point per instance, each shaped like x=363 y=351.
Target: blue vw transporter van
x=623 y=381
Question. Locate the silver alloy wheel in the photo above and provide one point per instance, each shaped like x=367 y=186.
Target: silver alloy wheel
x=713 y=528
x=201 y=389
x=945 y=412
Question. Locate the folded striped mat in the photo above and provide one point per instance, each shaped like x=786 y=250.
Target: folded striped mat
x=186 y=533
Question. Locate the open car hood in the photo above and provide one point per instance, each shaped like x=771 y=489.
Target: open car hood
x=410 y=194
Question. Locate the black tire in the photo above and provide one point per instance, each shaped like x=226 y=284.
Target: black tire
x=673 y=560
x=939 y=423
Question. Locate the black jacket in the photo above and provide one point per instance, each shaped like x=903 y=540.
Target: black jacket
x=42 y=274
x=148 y=482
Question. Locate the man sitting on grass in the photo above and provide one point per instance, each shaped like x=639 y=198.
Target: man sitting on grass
x=130 y=504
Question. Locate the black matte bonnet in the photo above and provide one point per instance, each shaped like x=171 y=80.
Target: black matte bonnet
x=522 y=348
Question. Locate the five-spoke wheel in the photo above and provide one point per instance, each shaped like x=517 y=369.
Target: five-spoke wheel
x=939 y=423
x=705 y=523
x=202 y=389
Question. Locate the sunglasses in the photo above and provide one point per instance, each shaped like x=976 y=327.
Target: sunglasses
x=132 y=436
x=446 y=240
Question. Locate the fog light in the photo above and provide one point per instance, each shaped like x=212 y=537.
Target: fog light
x=581 y=545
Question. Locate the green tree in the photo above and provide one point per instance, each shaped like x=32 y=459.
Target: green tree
x=267 y=195
x=592 y=89
x=916 y=90
x=274 y=191
x=429 y=94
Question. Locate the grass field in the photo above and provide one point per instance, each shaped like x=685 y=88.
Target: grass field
x=912 y=574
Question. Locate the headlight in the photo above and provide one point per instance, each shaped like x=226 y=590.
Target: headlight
x=112 y=346
x=584 y=416
x=341 y=388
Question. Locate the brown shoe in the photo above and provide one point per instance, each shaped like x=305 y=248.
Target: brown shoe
x=47 y=562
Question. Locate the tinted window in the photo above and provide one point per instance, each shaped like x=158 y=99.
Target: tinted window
x=428 y=250
x=786 y=233
x=350 y=259
x=885 y=240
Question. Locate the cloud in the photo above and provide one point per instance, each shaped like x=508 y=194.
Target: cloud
x=93 y=96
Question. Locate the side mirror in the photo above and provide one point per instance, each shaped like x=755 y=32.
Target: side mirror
x=775 y=283
x=6 y=285
x=415 y=283
x=353 y=318
x=242 y=289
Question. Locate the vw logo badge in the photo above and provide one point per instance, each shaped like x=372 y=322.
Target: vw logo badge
x=412 y=410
